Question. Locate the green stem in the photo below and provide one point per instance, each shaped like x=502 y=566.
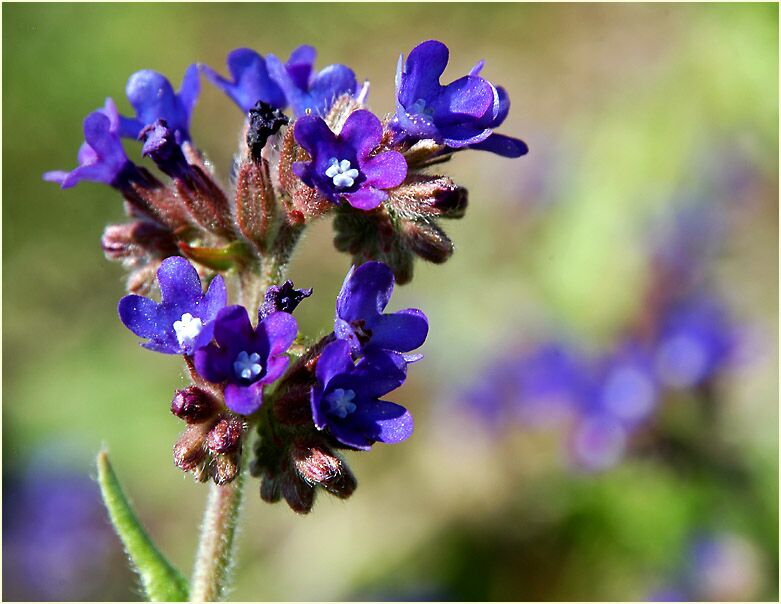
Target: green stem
x=214 y=560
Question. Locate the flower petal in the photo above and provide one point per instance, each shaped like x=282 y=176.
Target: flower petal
x=299 y=65
x=386 y=170
x=467 y=97
x=502 y=145
x=365 y=292
x=329 y=84
x=141 y=315
x=244 y=400
x=214 y=300
x=280 y=329
x=401 y=331
x=420 y=78
x=213 y=363
x=366 y=198
x=275 y=368
x=179 y=282
x=388 y=422
x=363 y=131
x=233 y=329
x=334 y=360
x=310 y=131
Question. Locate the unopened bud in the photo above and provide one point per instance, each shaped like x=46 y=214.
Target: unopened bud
x=133 y=239
x=270 y=491
x=226 y=434
x=189 y=449
x=225 y=467
x=318 y=465
x=193 y=404
x=299 y=495
x=428 y=241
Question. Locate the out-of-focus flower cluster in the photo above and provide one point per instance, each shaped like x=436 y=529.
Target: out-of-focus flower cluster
x=305 y=397
x=680 y=341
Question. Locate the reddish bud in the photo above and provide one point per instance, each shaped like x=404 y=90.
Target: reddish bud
x=189 y=450
x=226 y=434
x=194 y=405
x=225 y=467
x=317 y=464
x=428 y=241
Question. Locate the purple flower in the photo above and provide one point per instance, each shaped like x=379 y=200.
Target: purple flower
x=459 y=115
x=359 y=318
x=341 y=166
x=304 y=89
x=626 y=386
x=696 y=339
x=246 y=358
x=184 y=320
x=345 y=399
x=251 y=81
x=102 y=157
x=153 y=98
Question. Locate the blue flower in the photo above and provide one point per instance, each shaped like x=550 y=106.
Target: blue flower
x=153 y=98
x=626 y=384
x=251 y=81
x=183 y=321
x=102 y=157
x=359 y=318
x=695 y=341
x=341 y=165
x=246 y=359
x=460 y=115
x=305 y=90
x=345 y=399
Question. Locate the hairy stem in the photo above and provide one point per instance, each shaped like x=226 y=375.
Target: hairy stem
x=214 y=560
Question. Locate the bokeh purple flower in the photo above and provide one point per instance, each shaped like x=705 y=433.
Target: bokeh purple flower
x=360 y=321
x=341 y=166
x=460 y=115
x=153 y=98
x=246 y=359
x=305 y=90
x=184 y=319
x=251 y=80
x=345 y=400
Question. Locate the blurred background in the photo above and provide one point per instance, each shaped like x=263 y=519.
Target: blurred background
x=597 y=412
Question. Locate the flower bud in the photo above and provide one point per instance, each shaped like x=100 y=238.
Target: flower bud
x=299 y=495
x=226 y=434
x=189 y=450
x=428 y=241
x=317 y=464
x=194 y=405
x=270 y=490
x=225 y=467
x=134 y=239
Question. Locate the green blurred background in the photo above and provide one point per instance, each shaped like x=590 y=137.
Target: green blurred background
x=619 y=104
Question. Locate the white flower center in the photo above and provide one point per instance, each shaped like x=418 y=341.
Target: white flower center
x=187 y=329
x=340 y=172
x=246 y=365
x=341 y=403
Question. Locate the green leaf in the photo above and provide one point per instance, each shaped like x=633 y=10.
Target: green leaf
x=161 y=581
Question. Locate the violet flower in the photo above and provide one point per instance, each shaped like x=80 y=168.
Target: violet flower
x=102 y=157
x=696 y=339
x=250 y=80
x=341 y=166
x=305 y=90
x=360 y=321
x=626 y=386
x=460 y=115
x=345 y=399
x=246 y=358
x=183 y=321
x=153 y=98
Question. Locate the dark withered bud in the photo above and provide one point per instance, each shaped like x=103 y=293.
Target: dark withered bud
x=270 y=490
x=190 y=450
x=292 y=407
x=160 y=145
x=133 y=239
x=264 y=121
x=428 y=241
x=299 y=495
x=283 y=298
x=317 y=464
x=224 y=467
x=194 y=405
x=226 y=434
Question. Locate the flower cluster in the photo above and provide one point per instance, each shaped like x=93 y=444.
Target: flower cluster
x=681 y=342
x=305 y=398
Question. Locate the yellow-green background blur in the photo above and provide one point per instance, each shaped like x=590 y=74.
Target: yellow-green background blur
x=617 y=104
